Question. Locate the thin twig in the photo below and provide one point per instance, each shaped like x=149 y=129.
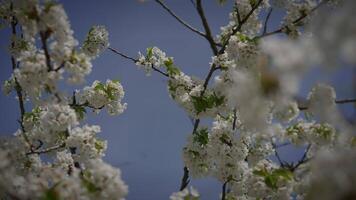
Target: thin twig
x=47 y=150
x=239 y=26
x=136 y=60
x=235 y=118
x=341 y=101
x=18 y=86
x=44 y=37
x=193 y=3
x=223 y=196
x=237 y=13
x=123 y=55
x=206 y=26
x=164 y=6
x=303 y=160
x=281 y=162
x=299 y=19
x=185 y=179
x=266 y=21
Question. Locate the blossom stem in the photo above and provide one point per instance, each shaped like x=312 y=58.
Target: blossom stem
x=135 y=60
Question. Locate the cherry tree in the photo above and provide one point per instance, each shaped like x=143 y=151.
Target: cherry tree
x=250 y=93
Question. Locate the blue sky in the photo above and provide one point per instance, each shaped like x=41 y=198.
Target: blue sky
x=146 y=141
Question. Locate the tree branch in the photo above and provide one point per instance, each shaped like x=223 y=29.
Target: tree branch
x=185 y=179
x=299 y=19
x=303 y=160
x=341 y=101
x=136 y=60
x=239 y=26
x=47 y=150
x=18 y=88
x=44 y=37
x=223 y=195
x=164 y=6
x=206 y=26
x=266 y=21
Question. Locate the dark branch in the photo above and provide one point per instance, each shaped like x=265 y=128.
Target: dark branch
x=18 y=86
x=341 y=101
x=303 y=160
x=136 y=60
x=281 y=162
x=47 y=150
x=266 y=21
x=185 y=179
x=223 y=196
x=206 y=26
x=164 y=6
x=239 y=26
x=235 y=118
x=299 y=19
x=44 y=36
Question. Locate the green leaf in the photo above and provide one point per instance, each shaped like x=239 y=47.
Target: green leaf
x=91 y=187
x=99 y=86
x=99 y=145
x=253 y=2
x=149 y=53
x=171 y=69
x=202 y=103
x=116 y=81
x=262 y=172
x=51 y=194
x=283 y=173
x=271 y=181
x=80 y=110
x=225 y=139
x=201 y=136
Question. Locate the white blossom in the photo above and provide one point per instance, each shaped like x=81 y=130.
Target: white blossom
x=96 y=41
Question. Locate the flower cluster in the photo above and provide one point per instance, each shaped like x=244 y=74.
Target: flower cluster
x=100 y=95
x=191 y=194
x=97 y=40
x=52 y=155
x=154 y=58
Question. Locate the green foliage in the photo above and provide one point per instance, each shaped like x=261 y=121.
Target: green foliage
x=225 y=139
x=202 y=103
x=253 y=3
x=51 y=194
x=190 y=197
x=33 y=115
x=90 y=186
x=244 y=38
x=107 y=89
x=99 y=145
x=271 y=178
x=149 y=53
x=79 y=110
x=171 y=68
x=201 y=136
x=325 y=131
